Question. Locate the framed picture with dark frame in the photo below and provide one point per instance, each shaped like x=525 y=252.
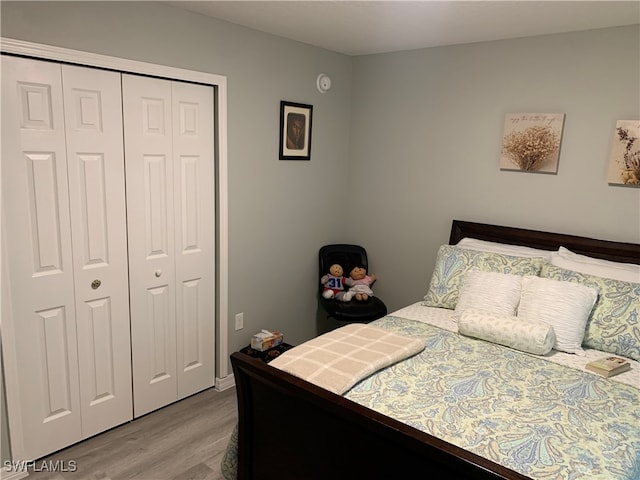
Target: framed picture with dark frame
x=295 y=131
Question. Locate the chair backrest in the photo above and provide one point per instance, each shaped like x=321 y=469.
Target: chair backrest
x=346 y=255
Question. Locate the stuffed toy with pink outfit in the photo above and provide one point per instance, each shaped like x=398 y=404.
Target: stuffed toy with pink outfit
x=359 y=284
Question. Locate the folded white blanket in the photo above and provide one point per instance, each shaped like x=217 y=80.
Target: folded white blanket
x=339 y=359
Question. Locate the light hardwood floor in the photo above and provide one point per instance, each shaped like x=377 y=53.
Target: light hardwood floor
x=183 y=441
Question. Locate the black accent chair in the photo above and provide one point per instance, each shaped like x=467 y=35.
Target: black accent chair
x=354 y=311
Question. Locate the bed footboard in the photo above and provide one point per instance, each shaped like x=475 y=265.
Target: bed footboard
x=294 y=429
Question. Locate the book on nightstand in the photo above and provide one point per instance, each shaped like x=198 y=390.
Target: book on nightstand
x=608 y=366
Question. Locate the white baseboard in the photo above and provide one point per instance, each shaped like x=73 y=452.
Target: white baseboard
x=223 y=383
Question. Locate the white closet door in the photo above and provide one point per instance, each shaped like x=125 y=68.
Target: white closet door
x=170 y=208
x=194 y=217
x=150 y=216
x=45 y=409
x=93 y=114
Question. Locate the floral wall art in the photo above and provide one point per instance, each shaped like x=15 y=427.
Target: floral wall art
x=624 y=162
x=531 y=142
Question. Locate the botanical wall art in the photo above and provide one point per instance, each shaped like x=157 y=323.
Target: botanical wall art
x=295 y=131
x=531 y=142
x=624 y=162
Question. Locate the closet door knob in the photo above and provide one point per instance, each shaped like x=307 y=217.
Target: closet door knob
x=158 y=273
x=95 y=284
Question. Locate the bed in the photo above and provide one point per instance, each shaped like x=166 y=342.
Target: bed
x=470 y=405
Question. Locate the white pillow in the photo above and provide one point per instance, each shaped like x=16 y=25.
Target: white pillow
x=532 y=337
x=565 y=306
x=503 y=248
x=625 y=272
x=491 y=292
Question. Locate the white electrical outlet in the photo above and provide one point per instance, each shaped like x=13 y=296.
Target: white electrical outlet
x=239 y=321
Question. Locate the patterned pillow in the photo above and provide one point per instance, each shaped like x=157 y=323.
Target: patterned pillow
x=525 y=335
x=452 y=263
x=626 y=272
x=614 y=324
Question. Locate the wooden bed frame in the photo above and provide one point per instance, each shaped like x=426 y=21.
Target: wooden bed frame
x=289 y=428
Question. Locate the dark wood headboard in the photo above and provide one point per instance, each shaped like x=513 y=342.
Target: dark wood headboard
x=605 y=249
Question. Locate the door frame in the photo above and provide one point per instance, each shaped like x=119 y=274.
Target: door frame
x=221 y=222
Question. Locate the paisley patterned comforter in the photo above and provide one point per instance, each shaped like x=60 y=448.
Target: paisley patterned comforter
x=544 y=420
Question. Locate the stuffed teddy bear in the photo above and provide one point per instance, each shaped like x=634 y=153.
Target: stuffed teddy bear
x=334 y=283
x=359 y=284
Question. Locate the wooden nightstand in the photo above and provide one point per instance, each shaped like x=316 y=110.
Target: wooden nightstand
x=267 y=355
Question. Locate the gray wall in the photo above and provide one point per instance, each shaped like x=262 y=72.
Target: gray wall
x=426 y=135
x=280 y=212
x=402 y=143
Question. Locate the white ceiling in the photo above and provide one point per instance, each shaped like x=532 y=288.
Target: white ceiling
x=375 y=26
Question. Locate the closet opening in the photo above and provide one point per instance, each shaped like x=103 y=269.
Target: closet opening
x=103 y=231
